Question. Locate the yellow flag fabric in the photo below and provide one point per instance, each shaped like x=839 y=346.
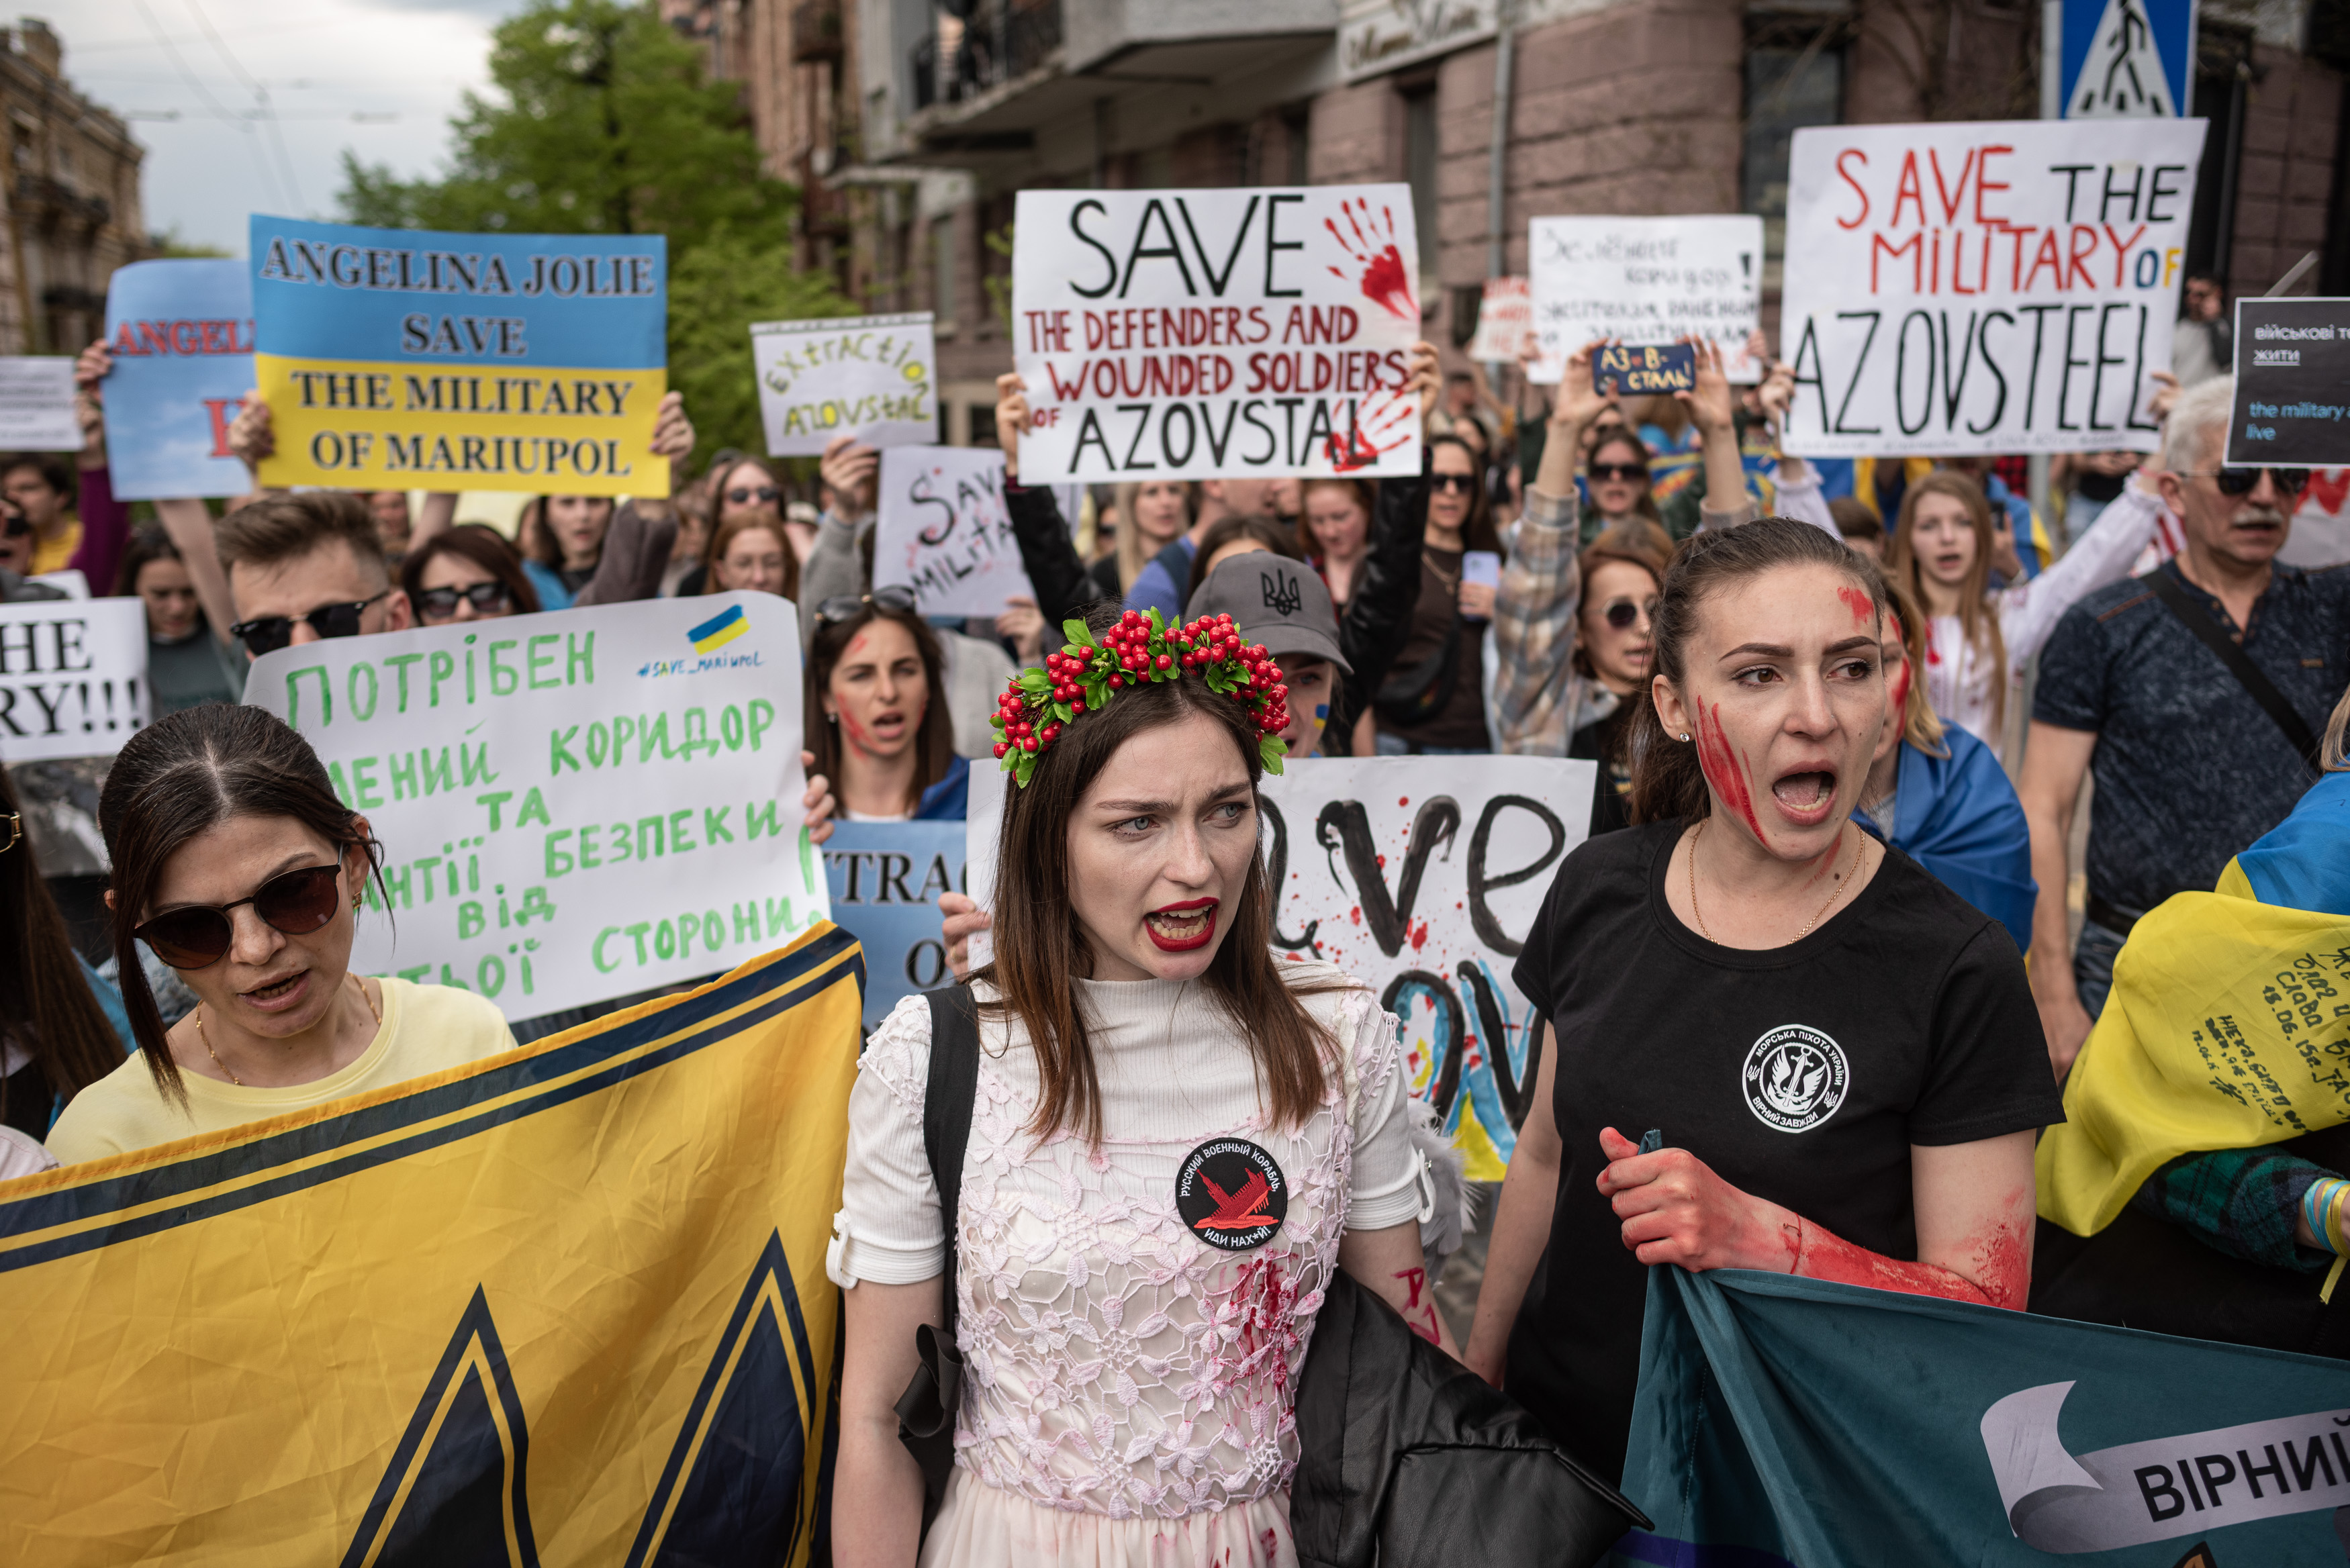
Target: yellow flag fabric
x=566 y=1305
x=2227 y=1027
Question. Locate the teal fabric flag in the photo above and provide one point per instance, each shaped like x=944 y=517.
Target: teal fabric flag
x=1783 y=1421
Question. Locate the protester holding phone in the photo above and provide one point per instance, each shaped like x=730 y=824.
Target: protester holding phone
x=237 y=866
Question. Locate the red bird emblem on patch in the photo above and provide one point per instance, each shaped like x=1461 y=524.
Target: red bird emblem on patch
x=1232 y=1193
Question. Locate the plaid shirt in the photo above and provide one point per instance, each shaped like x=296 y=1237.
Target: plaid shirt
x=2241 y=1201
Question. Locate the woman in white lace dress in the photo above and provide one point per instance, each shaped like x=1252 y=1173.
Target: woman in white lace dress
x=1175 y=1140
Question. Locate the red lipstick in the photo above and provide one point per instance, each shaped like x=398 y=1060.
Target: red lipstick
x=1188 y=927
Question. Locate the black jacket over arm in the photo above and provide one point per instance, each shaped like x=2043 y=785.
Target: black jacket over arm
x=1047 y=554
x=1387 y=591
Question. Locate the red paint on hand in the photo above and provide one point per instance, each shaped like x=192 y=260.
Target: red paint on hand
x=1722 y=769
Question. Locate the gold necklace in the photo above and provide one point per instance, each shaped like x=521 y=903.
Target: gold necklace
x=1859 y=850
x=205 y=1041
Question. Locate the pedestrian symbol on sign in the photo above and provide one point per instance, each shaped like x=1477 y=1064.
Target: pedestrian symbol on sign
x=2122 y=77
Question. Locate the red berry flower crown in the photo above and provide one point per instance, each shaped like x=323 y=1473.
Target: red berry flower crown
x=1040 y=703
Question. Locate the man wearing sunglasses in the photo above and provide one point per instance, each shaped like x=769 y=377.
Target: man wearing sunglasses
x=305 y=566
x=2195 y=691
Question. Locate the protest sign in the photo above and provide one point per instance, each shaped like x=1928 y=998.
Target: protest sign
x=1986 y=287
x=944 y=532
x=1188 y=334
x=1771 y=1428
x=181 y=333
x=73 y=678
x=37 y=405
x=563 y=1305
x=2293 y=360
x=573 y=806
x=1427 y=899
x=885 y=881
x=1646 y=280
x=870 y=377
x=396 y=359
x=1504 y=318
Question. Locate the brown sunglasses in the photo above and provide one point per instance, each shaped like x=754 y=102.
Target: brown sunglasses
x=197 y=936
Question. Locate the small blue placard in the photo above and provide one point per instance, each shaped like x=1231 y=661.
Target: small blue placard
x=885 y=880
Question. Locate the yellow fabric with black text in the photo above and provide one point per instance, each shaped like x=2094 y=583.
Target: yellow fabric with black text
x=563 y=1305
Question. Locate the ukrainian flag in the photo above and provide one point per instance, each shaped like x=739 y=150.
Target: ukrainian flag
x=566 y=1305
x=719 y=630
x=2229 y=1025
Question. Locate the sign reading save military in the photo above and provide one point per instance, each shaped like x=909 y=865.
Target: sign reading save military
x=400 y=359
x=572 y=807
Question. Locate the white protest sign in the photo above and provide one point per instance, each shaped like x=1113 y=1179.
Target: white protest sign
x=1987 y=287
x=1193 y=334
x=944 y=532
x=575 y=805
x=871 y=377
x=37 y=405
x=1504 y=317
x=1410 y=876
x=1646 y=280
x=73 y=678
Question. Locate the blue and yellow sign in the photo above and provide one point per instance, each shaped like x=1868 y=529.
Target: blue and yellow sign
x=719 y=630
x=563 y=1305
x=397 y=358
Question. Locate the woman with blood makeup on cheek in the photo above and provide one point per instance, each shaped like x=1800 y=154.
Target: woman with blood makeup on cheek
x=1842 y=1056
x=234 y=862
x=885 y=739
x=1174 y=1140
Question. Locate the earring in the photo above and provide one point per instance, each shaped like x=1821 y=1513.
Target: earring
x=355 y=903
x=1684 y=736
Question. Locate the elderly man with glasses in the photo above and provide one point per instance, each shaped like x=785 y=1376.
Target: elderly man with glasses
x=2195 y=695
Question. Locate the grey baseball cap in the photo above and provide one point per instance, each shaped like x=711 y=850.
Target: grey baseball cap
x=1281 y=603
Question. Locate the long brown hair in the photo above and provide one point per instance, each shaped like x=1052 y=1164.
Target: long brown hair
x=1977 y=624
x=1623 y=435
x=1477 y=532
x=1921 y=725
x=933 y=739
x=174 y=779
x=46 y=1005
x=1635 y=542
x=1135 y=551
x=1666 y=781
x=1040 y=947
x=724 y=534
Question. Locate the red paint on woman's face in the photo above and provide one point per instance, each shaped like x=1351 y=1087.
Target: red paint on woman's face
x=1859 y=603
x=1725 y=771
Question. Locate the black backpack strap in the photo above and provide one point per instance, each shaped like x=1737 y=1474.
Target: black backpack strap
x=926 y=1410
x=2250 y=676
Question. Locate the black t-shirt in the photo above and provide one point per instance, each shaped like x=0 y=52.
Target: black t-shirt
x=1606 y=742
x=1801 y=1074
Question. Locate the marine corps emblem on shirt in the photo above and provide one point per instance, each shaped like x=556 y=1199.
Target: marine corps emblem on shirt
x=1231 y=1194
x=1794 y=1078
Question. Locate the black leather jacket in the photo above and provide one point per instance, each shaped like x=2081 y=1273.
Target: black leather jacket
x=1408 y=1457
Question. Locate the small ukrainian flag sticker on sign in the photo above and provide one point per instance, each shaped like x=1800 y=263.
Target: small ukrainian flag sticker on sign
x=719 y=630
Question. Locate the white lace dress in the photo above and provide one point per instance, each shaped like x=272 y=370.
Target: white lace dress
x=1127 y=1388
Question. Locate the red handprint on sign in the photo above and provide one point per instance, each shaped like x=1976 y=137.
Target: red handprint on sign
x=1386 y=281
x=1386 y=425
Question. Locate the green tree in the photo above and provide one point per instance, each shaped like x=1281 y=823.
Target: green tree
x=601 y=123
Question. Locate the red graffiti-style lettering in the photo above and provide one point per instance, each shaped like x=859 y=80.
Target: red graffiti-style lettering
x=1420 y=1306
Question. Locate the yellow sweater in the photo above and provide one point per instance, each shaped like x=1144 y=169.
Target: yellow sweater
x=426 y=1029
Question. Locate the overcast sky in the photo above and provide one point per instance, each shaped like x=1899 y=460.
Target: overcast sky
x=399 y=65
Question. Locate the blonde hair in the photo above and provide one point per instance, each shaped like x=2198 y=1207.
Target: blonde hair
x=1977 y=625
x=1133 y=555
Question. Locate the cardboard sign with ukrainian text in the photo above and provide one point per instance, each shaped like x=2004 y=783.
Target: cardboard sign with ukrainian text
x=885 y=882
x=1192 y=334
x=575 y=805
x=1646 y=281
x=872 y=378
x=563 y=1305
x=400 y=359
x=73 y=676
x=181 y=335
x=944 y=532
x=1983 y=286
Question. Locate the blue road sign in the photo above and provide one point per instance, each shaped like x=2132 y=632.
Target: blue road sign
x=2128 y=59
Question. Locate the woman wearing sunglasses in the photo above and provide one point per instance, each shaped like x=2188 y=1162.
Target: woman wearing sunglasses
x=236 y=864
x=1433 y=702
x=876 y=675
x=1979 y=642
x=467 y=573
x=1620 y=571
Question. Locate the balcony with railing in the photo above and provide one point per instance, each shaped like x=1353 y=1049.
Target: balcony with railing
x=997 y=45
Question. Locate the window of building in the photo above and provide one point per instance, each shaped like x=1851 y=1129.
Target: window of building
x=1419 y=166
x=1298 y=123
x=942 y=273
x=1795 y=78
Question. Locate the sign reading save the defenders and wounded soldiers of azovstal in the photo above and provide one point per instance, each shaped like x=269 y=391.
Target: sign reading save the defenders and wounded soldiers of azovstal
x=400 y=359
x=572 y=806
x=1189 y=334
x=1983 y=287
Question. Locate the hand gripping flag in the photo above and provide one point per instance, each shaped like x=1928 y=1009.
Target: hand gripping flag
x=1783 y=1421
x=566 y=1305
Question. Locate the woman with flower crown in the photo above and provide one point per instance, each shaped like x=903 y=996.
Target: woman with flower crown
x=1173 y=1142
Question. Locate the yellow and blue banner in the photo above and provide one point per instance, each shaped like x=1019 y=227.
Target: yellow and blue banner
x=565 y=1305
x=400 y=359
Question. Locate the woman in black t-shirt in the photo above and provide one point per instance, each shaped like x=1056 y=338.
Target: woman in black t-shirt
x=1842 y=1056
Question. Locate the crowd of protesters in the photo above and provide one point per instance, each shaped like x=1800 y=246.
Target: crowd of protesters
x=1805 y=688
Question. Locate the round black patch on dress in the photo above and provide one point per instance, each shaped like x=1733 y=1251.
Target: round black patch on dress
x=1231 y=1194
